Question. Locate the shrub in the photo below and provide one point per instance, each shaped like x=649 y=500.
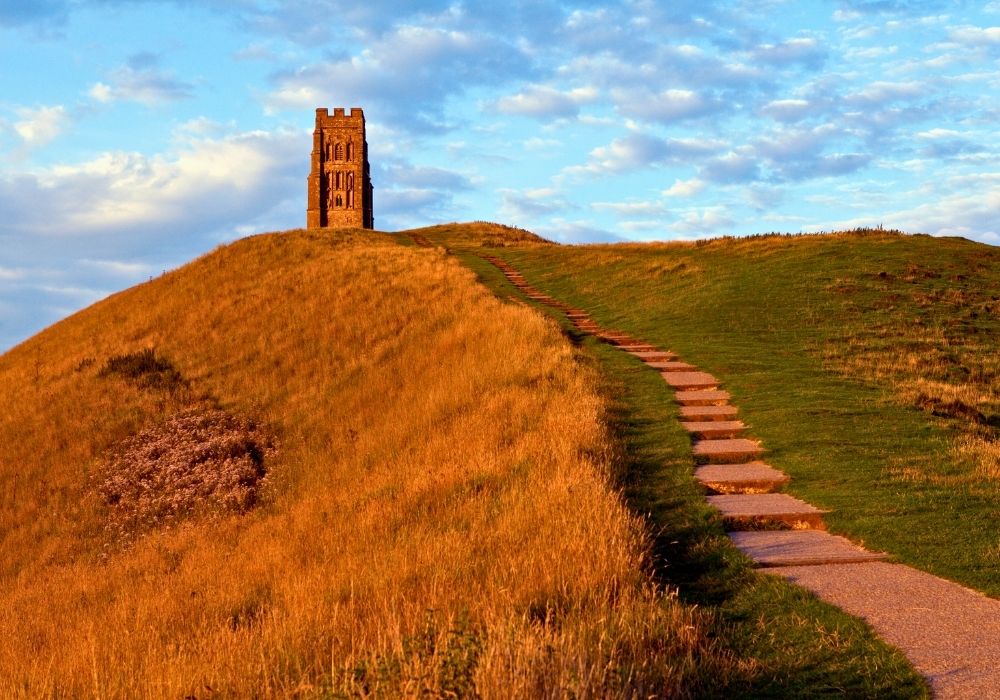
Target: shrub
x=145 y=369
x=201 y=461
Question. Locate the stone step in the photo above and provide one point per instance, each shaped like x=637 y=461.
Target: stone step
x=671 y=366
x=710 y=430
x=699 y=397
x=686 y=381
x=800 y=548
x=706 y=413
x=750 y=477
x=734 y=451
x=654 y=355
x=636 y=345
x=753 y=511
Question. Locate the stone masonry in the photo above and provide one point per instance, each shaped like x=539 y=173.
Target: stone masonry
x=340 y=188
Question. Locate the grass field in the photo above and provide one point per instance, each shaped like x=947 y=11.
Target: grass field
x=422 y=498
x=421 y=489
x=867 y=363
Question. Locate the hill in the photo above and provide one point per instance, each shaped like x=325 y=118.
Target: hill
x=867 y=361
x=407 y=488
x=309 y=464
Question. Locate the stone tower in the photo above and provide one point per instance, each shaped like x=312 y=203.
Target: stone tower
x=340 y=186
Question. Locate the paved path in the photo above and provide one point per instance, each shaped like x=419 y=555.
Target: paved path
x=949 y=633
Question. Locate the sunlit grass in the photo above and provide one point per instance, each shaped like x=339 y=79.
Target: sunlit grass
x=440 y=517
x=866 y=361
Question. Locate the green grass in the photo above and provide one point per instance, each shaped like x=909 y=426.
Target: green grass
x=789 y=643
x=763 y=314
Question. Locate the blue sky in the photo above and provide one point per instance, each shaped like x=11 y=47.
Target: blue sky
x=137 y=134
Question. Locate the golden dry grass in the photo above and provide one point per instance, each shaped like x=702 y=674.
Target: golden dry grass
x=440 y=518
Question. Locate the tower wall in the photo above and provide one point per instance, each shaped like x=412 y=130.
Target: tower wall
x=340 y=189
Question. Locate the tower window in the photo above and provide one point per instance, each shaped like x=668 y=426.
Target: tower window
x=338 y=152
x=350 y=151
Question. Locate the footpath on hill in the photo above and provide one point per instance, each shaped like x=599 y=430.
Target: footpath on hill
x=947 y=631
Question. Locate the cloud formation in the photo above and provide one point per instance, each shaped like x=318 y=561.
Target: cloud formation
x=39 y=126
x=582 y=119
x=406 y=76
x=147 y=85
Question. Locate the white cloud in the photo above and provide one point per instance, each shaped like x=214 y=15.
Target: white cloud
x=972 y=214
x=405 y=76
x=566 y=231
x=146 y=85
x=120 y=268
x=526 y=205
x=713 y=220
x=640 y=150
x=101 y=92
x=667 y=106
x=203 y=184
x=804 y=50
x=881 y=92
x=685 y=188
x=787 y=110
x=40 y=125
x=977 y=36
x=632 y=208
x=545 y=101
x=741 y=165
x=938 y=134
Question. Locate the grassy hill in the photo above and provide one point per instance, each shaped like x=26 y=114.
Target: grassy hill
x=420 y=498
x=322 y=465
x=868 y=362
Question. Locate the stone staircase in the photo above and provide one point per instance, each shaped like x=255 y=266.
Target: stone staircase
x=772 y=528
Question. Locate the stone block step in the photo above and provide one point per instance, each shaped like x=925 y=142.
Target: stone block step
x=800 y=548
x=705 y=413
x=752 y=511
x=750 y=477
x=736 y=451
x=698 y=397
x=671 y=366
x=654 y=355
x=636 y=345
x=710 y=430
x=685 y=381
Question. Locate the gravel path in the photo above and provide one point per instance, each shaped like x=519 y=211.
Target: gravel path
x=949 y=633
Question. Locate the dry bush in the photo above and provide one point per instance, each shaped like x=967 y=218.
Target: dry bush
x=199 y=462
x=442 y=520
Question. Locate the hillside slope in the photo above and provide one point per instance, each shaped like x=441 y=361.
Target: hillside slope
x=868 y=362
x=435 y=513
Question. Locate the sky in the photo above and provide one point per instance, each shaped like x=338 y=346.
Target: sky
x=136 y=135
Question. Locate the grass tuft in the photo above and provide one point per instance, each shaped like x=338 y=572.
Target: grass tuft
x=142 y=368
